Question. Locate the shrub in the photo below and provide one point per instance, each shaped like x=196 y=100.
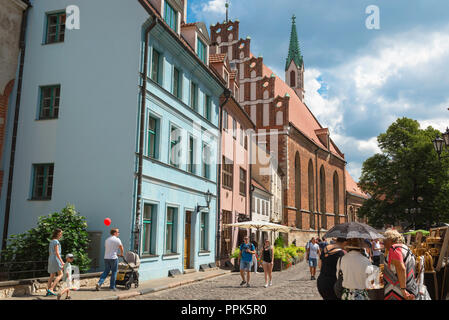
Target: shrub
x=235 y=254
x=33 y=244
x=279 y=242
x=292 y=251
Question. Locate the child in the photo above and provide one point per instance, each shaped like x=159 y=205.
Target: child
x=67 y=277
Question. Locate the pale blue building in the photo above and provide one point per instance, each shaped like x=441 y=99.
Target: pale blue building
x=78 y=135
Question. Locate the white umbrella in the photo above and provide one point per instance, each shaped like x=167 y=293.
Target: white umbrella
x=260 y=225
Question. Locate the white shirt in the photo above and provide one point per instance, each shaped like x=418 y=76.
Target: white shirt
x=356 y=269
x=112 y=245
x=376 y=252
x=313 y=251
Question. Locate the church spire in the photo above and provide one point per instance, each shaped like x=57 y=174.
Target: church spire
x=294 y=53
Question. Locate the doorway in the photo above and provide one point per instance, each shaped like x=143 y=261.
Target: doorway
x=187 y=239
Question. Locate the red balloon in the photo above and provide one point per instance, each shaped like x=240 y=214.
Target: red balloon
x=107 y=222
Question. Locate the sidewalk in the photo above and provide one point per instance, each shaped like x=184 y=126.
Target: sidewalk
x=144 y=287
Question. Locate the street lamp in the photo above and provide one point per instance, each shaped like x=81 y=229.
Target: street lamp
x=439 y=143
x=208 y=199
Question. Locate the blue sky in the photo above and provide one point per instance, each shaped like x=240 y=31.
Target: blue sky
x=358 y=81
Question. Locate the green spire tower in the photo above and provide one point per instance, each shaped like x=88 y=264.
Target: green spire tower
x=294 y=53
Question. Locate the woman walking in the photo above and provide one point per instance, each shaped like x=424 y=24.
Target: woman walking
x=327 y=278
x=55 y=263
x=399 y=270
x=356 y=268
x=267 y=262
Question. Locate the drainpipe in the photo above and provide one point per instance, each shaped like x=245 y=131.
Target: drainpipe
x=16 y=124
x=136 y=231
x=316 y=188
x=227 y=95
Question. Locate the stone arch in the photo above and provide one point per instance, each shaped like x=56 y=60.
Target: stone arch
x=298 y=191
x=311 y=189
x=323 y=197
x=336 y=187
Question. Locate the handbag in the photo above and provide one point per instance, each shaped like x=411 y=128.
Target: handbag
x=338 y=286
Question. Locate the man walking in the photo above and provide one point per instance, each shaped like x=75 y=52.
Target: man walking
x=313 y=252
x=246 y=257
x=112 y=245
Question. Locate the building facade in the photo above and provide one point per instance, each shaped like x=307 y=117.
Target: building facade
x=314 y=181
x=355 y=198
x=79 y=134
x=11 y=15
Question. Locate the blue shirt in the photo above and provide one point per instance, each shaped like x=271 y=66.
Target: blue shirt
x=246 y=256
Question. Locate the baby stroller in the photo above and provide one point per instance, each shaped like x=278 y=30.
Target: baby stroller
x=128 y=271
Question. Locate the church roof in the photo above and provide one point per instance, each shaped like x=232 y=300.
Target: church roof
x=294 y=53
x=353 y=188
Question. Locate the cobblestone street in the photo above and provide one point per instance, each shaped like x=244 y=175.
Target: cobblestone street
x=293 y=284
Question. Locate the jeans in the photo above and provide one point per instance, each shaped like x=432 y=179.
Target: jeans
x=110 y=265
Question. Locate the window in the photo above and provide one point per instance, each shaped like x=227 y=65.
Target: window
x=323 y=198
x=241 y=136
x=203 y=231
x=336 y=198
x=153 y=133
x=234 y=128
x=177 y=83
x=191 y=163
x=246 y=141
x=171 y=16
x=49 y=102
x=42 y=181
x=170 y=232
x=228 y=173
x=55 y=27
x=206 y=161
x=194 y=96
x=225 y=120
x=208 y=107
x=226 y=78
x=149 y=211
x=311 y=187
x=243 y=182
x=202 y=51
x=155 y=67
x=175 y=146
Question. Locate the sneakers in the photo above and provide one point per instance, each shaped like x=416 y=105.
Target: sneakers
x=312 y=278
x=247 y=285
x=97 y=287
x=271 y=283
x=266 y=285
x=243 y=282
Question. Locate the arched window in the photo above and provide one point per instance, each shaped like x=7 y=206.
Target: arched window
x=323 y=198
x=292 y=79
x=298 y=191
x=336 y=198
x=311 y=194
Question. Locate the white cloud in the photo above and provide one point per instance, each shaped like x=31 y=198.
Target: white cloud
x=214 y=6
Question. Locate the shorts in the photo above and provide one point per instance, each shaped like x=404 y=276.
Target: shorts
x=246 y=265
x=313 y=262
x=266 y=263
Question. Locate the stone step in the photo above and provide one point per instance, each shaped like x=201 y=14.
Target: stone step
x=187 y=271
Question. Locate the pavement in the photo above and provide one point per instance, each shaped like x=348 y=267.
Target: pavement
x=145 y=287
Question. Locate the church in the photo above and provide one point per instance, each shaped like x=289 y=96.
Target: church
x=314 y=183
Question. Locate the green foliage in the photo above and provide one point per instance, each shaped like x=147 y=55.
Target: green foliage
x=291 y=251
x=33 y=244
x=279 y=242
x=407 y=168
x=235 y=254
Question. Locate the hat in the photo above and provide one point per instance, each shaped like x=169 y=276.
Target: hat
x=69 y=255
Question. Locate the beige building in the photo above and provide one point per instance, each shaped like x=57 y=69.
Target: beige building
x=11 y=13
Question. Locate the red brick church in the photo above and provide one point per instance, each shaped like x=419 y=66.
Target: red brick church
x=315 y=180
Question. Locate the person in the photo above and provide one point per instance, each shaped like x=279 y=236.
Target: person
x=55 y=263
x=327 y=278
x=356 y=268
x=112 y=245
x=267 y=254
x=368 y=249
x=67 y=277
x=307 y=248
x=376 y=252
x=313 y=252
x=254 y=261
x=322 y=243
x=399 y=269
x=246 y=257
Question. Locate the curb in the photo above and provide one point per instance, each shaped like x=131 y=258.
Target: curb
x=142 y=292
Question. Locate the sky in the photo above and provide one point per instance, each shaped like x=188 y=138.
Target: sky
x=357 y=80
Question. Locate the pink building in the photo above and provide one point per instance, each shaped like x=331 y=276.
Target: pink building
x=235 y=197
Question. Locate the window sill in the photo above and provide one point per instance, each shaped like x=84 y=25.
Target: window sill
x=49 y=43
x=227 y=188
x=45 y=119
x=204 y=253
x=171 y=256
x=149 y=257
x=43 y=199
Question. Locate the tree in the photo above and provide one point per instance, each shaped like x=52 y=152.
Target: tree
x=33 y=244
x=406 y=171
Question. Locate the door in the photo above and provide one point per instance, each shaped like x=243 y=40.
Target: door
x=187 y=239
